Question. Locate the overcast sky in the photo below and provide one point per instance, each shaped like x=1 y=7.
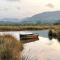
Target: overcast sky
x=26 y=8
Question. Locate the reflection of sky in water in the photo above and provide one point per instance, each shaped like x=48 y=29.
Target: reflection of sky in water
x=43 y=33
x=43 y=49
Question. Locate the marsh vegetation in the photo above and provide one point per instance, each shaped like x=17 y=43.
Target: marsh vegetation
x=20 y=27
x=10 y=48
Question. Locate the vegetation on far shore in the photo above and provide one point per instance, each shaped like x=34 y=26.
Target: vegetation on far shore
x=19 y=27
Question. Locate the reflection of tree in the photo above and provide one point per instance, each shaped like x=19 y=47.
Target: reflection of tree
x=50 y=34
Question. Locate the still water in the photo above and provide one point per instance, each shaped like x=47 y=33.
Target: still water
x=42 y=33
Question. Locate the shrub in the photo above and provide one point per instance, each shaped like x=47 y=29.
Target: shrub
x=10 y=48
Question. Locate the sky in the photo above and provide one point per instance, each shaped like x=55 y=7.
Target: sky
x=26 y=8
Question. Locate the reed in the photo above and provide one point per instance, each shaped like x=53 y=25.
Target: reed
x=10 y=48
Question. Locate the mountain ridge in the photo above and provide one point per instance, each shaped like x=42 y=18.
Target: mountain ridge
x=45 y=17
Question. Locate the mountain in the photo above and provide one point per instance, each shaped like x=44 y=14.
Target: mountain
x=45 y=17
x=9 y=20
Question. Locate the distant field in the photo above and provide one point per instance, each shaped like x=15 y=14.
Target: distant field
x=26 y=27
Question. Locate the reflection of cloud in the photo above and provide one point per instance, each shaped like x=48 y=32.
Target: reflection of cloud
x=50 y=5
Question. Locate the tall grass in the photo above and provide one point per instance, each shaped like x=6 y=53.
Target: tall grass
x=10 y=48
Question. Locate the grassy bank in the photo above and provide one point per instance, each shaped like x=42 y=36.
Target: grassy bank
x=26 y=27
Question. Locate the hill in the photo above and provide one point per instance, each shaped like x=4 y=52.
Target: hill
x=45 y=17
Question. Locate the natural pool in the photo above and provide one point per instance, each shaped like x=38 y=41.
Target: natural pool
x=42 y=33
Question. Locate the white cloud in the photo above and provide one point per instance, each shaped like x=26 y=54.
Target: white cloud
x=50 y=5
x=26 y=8
x=13 y=0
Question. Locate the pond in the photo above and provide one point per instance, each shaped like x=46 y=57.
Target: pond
x=43 y=33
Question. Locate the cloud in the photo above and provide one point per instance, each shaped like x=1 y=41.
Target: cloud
x=50 y=5
x=18 y=8
x=8 y=9
x=13 y=0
